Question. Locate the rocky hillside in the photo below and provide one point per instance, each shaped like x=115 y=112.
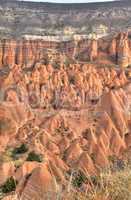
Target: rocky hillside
x=56 y=122
x=65 y=101
x=56 y=19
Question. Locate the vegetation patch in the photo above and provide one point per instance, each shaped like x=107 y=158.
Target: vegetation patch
x=32 y=156
x=9 y=185
x=78 y=179
x=20 y=150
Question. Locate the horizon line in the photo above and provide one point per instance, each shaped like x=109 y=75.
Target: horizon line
x=60 y=2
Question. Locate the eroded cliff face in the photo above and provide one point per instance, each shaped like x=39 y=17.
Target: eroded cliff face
x=115 y=51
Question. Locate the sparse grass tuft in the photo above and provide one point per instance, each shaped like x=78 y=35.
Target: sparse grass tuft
x=107 y=185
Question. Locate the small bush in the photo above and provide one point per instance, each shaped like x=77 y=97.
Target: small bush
x=20 y=150
x=9 y=186
x=32 y=156
x=78 y=179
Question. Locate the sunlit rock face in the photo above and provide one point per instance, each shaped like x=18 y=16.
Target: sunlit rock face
x=115 y=50
x=124 y=57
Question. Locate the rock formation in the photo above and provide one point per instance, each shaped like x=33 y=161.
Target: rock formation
x=115 y=51
x=75 y=117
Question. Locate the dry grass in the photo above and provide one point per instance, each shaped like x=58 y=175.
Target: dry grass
x=107 y=185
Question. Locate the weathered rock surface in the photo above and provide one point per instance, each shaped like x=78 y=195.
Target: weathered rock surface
x=115 y=50
x=75 y=117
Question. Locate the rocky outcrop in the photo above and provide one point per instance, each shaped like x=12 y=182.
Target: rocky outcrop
x=123 y=50
x=40 y=185
x=115 y=50
x=93 y=53
x=7 y=170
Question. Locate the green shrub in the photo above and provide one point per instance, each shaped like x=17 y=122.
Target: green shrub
x=9 y=186
x=32 y=156
x=20 y=150
x=78 y=179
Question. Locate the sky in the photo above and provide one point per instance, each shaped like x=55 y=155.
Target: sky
x=70 y=1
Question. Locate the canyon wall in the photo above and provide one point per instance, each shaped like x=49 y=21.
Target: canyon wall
x=115 y=50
